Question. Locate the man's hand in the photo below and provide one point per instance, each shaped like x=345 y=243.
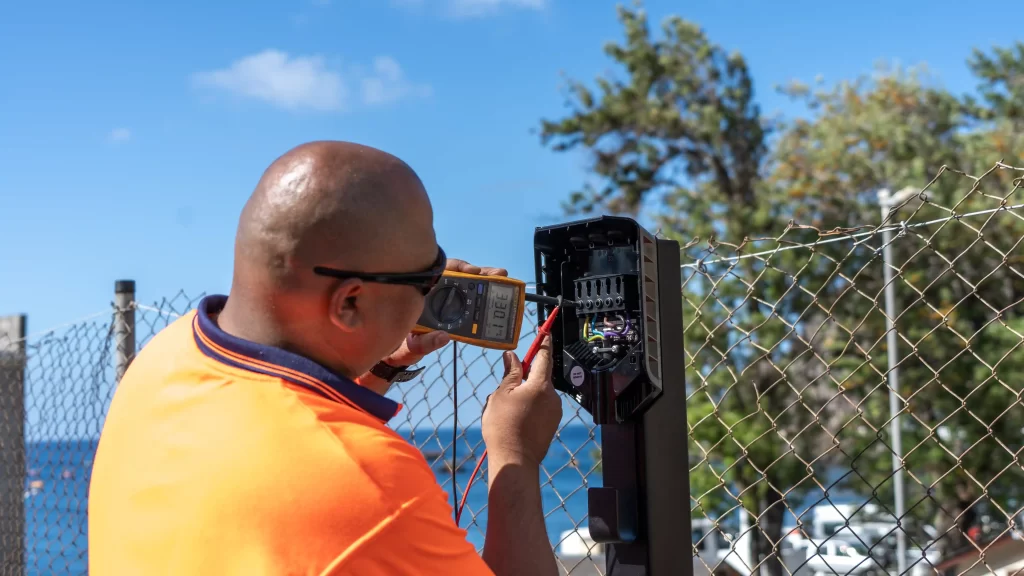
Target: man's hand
x=519 y=422
x=416 y=346
x=521 y=417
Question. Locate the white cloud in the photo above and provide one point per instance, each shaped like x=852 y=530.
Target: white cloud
x=477 y=8
x=387 y=83
x=275 y=77
x=474 y=8
x=306 y=82
x=120 y=135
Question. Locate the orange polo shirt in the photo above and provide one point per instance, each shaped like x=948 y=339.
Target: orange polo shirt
x=221 y=456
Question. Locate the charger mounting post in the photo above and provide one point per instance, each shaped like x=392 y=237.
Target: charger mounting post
x=620 y=357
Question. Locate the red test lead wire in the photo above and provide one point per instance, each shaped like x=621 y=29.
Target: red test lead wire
x=544 y=330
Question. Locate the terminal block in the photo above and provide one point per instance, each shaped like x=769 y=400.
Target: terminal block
x=606 y=294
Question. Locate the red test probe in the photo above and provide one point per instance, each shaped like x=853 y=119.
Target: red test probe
x=544 y=330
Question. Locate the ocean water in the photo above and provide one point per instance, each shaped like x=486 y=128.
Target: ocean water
x=57 y=486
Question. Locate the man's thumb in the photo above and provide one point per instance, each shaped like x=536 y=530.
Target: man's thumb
x=513 y=369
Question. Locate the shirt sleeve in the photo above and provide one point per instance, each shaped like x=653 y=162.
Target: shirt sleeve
x=420 y=539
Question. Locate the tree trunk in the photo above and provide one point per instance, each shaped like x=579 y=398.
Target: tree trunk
x=767 y=543
x=961 y=516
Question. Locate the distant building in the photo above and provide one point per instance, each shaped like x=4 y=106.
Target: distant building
x=1003 y=556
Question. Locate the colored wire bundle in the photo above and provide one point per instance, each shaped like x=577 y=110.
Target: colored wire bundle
x=591 y=332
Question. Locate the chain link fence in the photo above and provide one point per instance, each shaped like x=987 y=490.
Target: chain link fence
x=54 y=390
x=857 y=392
x=852 y=394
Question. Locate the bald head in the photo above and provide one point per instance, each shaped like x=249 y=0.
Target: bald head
x=341 y=206
x=333 y=204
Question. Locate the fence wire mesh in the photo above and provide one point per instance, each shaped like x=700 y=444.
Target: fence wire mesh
x=795 y=467
x=792 y=403
x=55 y=390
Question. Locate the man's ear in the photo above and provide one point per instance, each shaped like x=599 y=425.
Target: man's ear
x=346 y=310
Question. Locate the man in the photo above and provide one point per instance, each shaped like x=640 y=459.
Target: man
x=250 y=437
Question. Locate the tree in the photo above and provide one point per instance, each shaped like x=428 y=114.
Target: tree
x=786 y=355
x=958 y=287
x=683 y=128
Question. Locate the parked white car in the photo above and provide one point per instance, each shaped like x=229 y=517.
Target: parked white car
x=834 y=556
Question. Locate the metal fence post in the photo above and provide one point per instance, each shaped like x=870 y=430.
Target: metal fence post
x=124 y=326
x=12 y=444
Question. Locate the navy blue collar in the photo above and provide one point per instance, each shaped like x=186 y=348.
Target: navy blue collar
x=272 y=361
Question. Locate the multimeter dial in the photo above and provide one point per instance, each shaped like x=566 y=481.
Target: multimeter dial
x=448 y=304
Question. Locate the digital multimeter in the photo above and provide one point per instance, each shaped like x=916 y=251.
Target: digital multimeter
x=485 y=311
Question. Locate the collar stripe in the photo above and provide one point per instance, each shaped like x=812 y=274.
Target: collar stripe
x=280 y=363
x=253 y=365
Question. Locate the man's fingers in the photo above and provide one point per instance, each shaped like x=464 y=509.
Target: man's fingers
x=486 y=271
x=540 y=369
x=423 y=344
x=461 y=266
x=465 y=267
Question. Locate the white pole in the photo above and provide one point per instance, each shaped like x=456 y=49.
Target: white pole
x=884 y=200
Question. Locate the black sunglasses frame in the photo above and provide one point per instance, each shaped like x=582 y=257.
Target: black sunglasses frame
x=424 y=280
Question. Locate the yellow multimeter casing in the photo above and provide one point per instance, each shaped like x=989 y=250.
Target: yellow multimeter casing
x=484 y=311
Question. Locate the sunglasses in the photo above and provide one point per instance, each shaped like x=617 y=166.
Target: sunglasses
x=424 y=280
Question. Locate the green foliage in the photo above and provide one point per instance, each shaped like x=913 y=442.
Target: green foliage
x=884 y=132
x=786 y=354
x=686 y=108
x=955 y=291
x=1002 y=88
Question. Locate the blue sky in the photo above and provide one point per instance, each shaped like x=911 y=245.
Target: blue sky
x=132 y=132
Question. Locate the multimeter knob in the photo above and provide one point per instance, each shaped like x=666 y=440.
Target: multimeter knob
x=448 y=304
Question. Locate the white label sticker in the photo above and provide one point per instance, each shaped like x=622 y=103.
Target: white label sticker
x=577 y=375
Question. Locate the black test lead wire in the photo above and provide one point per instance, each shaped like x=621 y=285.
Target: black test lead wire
x=455 y=426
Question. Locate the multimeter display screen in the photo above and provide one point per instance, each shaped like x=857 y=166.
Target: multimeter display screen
x=499 y=310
